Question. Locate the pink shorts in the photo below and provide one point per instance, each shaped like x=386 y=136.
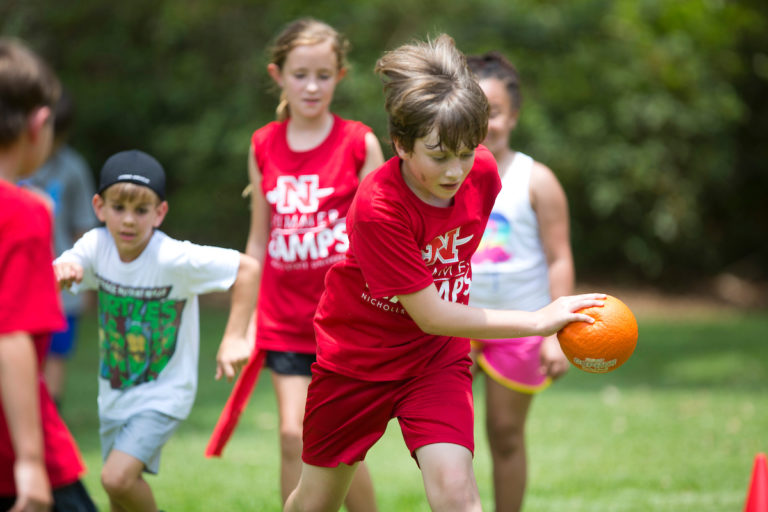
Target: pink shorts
x=513 y=363
x=345 y=416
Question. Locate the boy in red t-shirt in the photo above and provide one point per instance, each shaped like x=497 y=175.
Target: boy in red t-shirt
x=40 y=465
x=393 y=325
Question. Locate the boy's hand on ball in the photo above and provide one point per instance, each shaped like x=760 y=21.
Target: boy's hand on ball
x=565 y=310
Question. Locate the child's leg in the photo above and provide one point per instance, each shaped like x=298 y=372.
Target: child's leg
x=513 y=375
x=320 y=489
x=506 y=414
x=129 y=448
x=361 y=496
x=127 y=490
x=291 y=392
x=436 y=417
x=448 y=477
x=344 y=419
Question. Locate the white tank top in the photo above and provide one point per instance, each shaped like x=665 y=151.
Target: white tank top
x=509 y=268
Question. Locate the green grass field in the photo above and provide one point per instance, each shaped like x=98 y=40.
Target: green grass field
x=675 y=429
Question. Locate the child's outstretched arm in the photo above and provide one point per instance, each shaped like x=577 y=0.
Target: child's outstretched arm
x=236 y=347
x=436 y=316
x=67 y=272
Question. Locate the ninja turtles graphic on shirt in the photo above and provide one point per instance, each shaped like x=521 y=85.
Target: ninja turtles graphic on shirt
x=138 y=328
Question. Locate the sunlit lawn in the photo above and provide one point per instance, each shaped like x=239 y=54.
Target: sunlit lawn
x=675 y=429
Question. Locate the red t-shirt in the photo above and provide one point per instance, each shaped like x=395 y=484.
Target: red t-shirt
x=398 y=245
x=29 y=302
x=309 y=193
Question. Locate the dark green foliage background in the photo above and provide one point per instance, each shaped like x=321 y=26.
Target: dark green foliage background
x=652 y=113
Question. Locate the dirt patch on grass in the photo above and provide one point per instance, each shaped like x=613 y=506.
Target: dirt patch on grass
x=724 y=294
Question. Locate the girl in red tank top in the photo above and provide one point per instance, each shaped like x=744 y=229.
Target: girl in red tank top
x=304 y=170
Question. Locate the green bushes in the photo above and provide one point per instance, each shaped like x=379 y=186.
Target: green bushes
x=649 y=111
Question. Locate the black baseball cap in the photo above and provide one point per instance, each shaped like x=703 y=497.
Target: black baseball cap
x=133 y=166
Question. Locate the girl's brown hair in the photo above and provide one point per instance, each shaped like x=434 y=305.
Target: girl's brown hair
x=494 y=65
x=305 y=31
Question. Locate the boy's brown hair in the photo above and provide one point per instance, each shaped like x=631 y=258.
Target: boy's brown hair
x=427 y=85
x=131 y=192
x=26 y=83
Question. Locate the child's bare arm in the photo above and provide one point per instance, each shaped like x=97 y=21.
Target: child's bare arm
x=19 y=392
x=67 y=272
x=258 y=233
x=374 y=157
x=236 y=347
x=436 y=316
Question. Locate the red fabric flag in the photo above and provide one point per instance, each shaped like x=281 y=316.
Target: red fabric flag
x=235 y=405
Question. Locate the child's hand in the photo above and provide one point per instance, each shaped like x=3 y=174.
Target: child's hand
x=234 y=352
x=67 y=273
x=33 y=490
x=552 y=360
x=562 y=311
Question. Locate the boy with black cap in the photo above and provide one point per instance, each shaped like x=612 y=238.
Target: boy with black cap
x=147 y=286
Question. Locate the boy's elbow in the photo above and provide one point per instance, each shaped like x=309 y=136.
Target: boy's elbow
x=428 y=325
x=249 y=269
x=427 y=310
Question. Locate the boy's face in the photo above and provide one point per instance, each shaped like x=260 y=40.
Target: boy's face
x=433 y=172
x=130 y=219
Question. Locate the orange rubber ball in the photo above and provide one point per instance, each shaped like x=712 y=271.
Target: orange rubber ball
x=604 y=345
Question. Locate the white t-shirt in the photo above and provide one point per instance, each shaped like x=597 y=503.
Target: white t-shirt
x=509 y=268
x=148 y=318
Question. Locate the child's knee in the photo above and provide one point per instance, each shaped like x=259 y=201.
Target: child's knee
x=505 y=425
x=506 y=442
x=299 y=501
x=451 y=478
x=116 y=480
x=452 y=489
x=290 y=441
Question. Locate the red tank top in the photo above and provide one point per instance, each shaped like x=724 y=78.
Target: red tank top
x=309 y=193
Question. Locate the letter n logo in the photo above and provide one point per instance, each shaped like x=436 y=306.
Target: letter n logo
x=300 y=194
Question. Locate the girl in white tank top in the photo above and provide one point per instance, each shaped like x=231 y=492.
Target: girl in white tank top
x=523 y=262
x=510 y=267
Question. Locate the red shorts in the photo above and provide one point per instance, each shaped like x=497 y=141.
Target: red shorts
x=346 y=416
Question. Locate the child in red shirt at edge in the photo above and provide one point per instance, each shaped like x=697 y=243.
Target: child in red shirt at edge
x=304 y=169
x=40 y=465
x=392 y=325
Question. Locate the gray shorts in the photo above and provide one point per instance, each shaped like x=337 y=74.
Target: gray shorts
x=142 y=436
